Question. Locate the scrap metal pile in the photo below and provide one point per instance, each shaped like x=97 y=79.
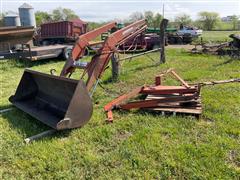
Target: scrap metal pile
x=172 y=99
x=231 y=48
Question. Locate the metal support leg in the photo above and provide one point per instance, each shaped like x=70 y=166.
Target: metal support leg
x=94 y=88
x=38 y=136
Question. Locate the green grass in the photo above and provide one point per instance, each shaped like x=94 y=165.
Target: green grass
x=224 y=26
x=138 y=145
x=217 y=36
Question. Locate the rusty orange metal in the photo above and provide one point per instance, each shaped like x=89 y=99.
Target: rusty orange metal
x=161 y=97
x=64 y=103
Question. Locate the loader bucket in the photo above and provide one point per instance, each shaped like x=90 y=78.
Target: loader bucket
x=58 y=102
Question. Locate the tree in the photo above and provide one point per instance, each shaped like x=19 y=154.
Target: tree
x=62 y=14
x=42 y=17
x=208 y=19
x=152 y=20
x=183 y=19
x=148 y=15
x=135 y=16
x=94 y=25
x=235 y=22
x=157 y=20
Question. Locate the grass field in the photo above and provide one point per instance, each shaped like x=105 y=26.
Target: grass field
x=217 y=36
x=224 y=26
x=138 y=145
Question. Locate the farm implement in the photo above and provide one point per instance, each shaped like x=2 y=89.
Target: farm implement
x=177 y=99
x=180 y=99
x=231 y=48
x=64 y=103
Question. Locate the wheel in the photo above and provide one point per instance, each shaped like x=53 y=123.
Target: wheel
x=205 y=50
x=86 y=52
x=45 y=43
x=172 y=40
x=67 y=52
x=179 y=40
x=156 y=46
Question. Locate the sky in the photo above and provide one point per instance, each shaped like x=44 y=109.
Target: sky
x=104 y=10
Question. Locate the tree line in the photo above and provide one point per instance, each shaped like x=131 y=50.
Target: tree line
x=206 y=20
x=58 y=14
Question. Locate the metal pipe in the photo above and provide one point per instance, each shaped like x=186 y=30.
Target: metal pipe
x=94 y=88
x=140 y=54
x=5 y=110
x=40 y=135
x=237 y=80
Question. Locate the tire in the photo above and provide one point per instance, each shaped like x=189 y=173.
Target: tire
x=156 y=46
x=45 y=43
x=67 y=52
x=172 y=40
x=179 y=41
x=86 y=53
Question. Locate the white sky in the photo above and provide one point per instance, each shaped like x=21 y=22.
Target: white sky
x=102 y=10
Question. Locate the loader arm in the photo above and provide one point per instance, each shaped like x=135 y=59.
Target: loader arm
x=99 y=62
x=65 y=103
x=137 y=32
x=80 y=46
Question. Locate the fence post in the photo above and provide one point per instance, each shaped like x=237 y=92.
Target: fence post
x=163 y=27
x=115 y=67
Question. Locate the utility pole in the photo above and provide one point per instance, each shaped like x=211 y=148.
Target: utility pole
x=163 y=11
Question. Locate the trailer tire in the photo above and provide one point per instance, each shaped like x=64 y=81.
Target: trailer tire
x=156 y=46
x=86 y=53
x=67 y=52
x=45 y=43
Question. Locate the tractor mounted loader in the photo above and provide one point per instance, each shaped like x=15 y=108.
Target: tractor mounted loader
x=64 y=103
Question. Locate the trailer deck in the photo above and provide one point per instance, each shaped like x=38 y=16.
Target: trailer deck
x=35 y=53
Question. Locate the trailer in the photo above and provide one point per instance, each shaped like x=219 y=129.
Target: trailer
x=61 y=32
x=26 y=52
x=157 y=30
x=184 y=35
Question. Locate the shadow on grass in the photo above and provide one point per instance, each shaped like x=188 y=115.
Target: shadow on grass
x=27 y=125
x=169 y=114
x=27 y=64
x=111 y=80
x=225 y=62
x=6 y=107
x=144 y=67
x=154 y=114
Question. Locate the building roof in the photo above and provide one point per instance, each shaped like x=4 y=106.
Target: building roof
x=25 y=6
x=11 y=14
